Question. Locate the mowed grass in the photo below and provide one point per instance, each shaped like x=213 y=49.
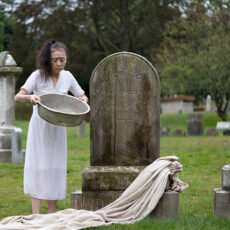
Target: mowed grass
x=202 y=159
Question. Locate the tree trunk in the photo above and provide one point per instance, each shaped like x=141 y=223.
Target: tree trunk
x=221 y=102
x=222 y=114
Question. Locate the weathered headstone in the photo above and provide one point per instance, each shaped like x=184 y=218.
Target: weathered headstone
x=125 y=114
x=195 y=124
x=179 y=133
x=9 y=136
x=208 y=103
x=222 y=195
x=125 y=128
x=165 y=131
x=212 y=132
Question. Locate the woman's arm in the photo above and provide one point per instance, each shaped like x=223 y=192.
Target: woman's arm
x=83 y=98
x=23 y=96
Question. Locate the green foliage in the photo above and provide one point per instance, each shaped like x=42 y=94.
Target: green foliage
x=6 y=30
x=91 y=30
x=196 y=54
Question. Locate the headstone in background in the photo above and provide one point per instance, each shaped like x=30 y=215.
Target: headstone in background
x=222 y=195
x=81 y=130
x=195 y=124
x=225 y=126
x=179 y=133
x=208 y=103
x=10 y=137
x=212 y=132
x=165 y=131
x=124 y=128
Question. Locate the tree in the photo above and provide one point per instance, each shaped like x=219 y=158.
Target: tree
x=6 y=30
x=130 y=25
x=91 y=30
x=196 y=56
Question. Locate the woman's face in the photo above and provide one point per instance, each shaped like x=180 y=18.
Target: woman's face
x=58 y=60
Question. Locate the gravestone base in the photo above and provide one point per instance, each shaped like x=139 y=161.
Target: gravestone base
x=92 y=200
x=5 y=155
x=167 y=207
x=11 y=145
x=101 y=185
x=221 y=203
x=109 y=178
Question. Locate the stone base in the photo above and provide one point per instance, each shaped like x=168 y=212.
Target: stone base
x=11 y=145
x=5 y=155
x=166 y=208
x=109 y=178
x=92 y=200
x=221 y=203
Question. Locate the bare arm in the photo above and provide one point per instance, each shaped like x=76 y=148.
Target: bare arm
x=23 y=96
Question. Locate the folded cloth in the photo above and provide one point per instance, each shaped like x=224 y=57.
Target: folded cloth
x=135 y=203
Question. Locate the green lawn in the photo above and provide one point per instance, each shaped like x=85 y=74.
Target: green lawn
x=202 y=159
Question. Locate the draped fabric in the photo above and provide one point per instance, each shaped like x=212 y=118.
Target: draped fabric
x=135 y=203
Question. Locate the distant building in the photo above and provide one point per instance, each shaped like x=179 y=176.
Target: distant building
x=177 y=104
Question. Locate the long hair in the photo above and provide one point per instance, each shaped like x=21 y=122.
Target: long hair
x=43 y=61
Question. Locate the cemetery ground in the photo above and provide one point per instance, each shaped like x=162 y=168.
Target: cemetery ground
x=202 y=159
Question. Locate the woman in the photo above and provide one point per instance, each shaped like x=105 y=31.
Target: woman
x=46 y=149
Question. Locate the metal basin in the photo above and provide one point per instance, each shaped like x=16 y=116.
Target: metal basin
x=63 y=110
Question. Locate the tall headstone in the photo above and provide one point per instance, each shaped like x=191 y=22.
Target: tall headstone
x=195 y=124
x=9 y=147
x=124 y=128
x=208 y=103
x=222 y=195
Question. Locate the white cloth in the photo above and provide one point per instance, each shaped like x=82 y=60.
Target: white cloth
x=46 y=149
x=137 y=201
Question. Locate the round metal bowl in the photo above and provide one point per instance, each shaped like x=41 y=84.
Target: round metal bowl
x=63 y=110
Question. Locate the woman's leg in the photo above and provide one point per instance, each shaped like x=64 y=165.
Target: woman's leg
x=36 y=205
x=51 y=206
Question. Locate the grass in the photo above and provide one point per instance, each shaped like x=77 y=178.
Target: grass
x=202 y=159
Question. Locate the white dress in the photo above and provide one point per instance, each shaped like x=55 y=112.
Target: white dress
x=46 y=148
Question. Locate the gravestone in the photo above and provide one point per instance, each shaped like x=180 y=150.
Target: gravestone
x=165 y=131
x=222 y=195
x=124 y=128
x=208 y=103
x=179 y=133
x=195 y=124
x=225 y=125
x=212 y=132
x=10 y=136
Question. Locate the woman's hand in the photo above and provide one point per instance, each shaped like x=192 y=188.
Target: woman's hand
x=83 y=98
x=34 y=99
